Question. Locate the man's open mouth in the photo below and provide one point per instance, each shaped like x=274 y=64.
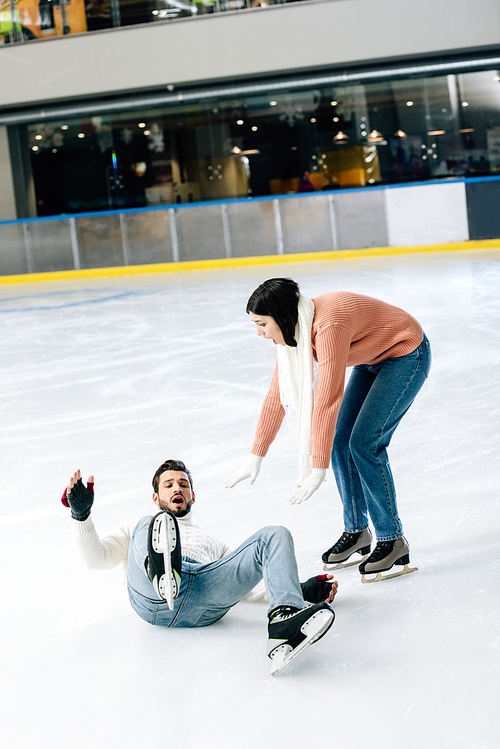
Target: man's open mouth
x=178 y=499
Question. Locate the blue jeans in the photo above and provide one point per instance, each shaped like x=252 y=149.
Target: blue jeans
x=208 y=591
x=375 y=400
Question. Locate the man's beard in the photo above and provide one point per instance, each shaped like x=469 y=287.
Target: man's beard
x=174 y=510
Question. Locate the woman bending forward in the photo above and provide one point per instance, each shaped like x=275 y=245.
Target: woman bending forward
x=390 y=356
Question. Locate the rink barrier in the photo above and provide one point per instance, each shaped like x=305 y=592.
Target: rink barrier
x=197 y=265
x=384 y=219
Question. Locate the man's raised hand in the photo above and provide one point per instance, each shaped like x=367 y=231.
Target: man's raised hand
x=78 y=498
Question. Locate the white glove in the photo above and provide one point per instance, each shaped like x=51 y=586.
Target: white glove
x=249 y=471
x=308 y=486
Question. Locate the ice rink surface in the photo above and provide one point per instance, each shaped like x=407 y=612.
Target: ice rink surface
x=113 y=376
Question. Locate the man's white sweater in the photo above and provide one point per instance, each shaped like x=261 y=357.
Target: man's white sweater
x=112 y=550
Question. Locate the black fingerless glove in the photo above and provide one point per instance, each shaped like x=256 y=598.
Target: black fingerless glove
x=316 y=589
x=79 y=500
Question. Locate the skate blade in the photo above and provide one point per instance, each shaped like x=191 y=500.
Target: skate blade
x=342 y=565
x=379 y=576
x=164 y=541
x=317 y=626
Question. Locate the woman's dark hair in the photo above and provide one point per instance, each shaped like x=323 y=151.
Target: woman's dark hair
x=278 y=298
x=170 y=465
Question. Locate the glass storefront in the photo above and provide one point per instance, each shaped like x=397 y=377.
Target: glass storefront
x=347 y=136
x=26 y=20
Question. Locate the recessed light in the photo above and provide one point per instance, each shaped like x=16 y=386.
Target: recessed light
x=141 y=124
x=81 y=135
x=34 y=148
x=255 y=128
x=64 y=127
x=409 y=103
x=273 y=103
x=313 y=119
x=239 y=122
x=38 y=137
x=334 y=103
x=147 y=132
x=465 y=103
x=335 y=119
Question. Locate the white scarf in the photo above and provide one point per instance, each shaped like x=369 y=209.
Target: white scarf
x=296 y=379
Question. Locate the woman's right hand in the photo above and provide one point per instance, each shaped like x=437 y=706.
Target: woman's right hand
x=249 y=471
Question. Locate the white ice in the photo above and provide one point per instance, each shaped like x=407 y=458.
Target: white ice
x=115 y=375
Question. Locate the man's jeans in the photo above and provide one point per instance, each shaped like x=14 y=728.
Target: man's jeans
x=375 y=400
x=208 y=591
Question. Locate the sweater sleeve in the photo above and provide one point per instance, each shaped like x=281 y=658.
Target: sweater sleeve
x=105 y=553
x=332 y=350
x=271 y=418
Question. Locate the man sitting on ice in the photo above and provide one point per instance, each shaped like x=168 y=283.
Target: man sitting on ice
x=178 y=575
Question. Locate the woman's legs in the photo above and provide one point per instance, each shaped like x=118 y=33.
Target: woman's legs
x=375 y=401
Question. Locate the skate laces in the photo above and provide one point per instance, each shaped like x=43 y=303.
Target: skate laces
x=281 y=613
x=344 y=541
x=381 y=550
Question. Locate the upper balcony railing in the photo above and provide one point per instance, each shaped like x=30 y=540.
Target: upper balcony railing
x=27 y=20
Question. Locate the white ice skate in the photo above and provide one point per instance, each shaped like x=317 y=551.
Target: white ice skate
x=385 y=555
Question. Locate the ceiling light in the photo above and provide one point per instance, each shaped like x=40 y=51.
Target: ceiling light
x=340 y=137
x=255 y=128
x=465 y=103
x=147 y=132
x=34 y=148
x=409 y=103
x=400 y=134
x=141 y=124
x=235 y=149
x=64 y=127
x=335 y=119
x=38 y=137
x=81 y=135
x=467 y=130
x=239 y=122
x=54 y=150
x=375 y=137
x=155 y=12
x=273 y=103
x=334 y=103
x=313 y=119
x=436 y=132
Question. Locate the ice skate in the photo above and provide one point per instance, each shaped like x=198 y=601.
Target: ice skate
x=164 y=556
x=385 y=555
x=348 y=544
x=292 y=630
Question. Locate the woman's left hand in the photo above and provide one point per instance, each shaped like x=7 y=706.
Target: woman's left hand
x=309 y=486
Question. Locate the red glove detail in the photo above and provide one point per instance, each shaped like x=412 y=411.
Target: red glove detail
x=322 y=577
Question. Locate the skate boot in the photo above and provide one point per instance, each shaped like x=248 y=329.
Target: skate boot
x=163 y=563
x=347 y=545
x=291 y=630
x=384 y=556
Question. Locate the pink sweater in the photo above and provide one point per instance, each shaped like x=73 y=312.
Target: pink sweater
x=348 y=329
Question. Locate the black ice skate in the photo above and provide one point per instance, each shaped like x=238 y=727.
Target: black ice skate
x=347 y=545
x=291 y=631
x=164 y=560
x=385 y=555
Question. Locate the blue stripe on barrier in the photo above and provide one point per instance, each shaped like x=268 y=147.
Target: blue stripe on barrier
x=231 y=201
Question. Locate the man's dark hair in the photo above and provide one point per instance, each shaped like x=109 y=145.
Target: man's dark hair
x=278 y=298
x=171 y=465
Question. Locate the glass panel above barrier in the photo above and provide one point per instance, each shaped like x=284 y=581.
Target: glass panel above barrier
x=316 y=140
x=100 y=241
x=148 y=237
x=13 y=258
x=252 y=228
x=51 y=247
